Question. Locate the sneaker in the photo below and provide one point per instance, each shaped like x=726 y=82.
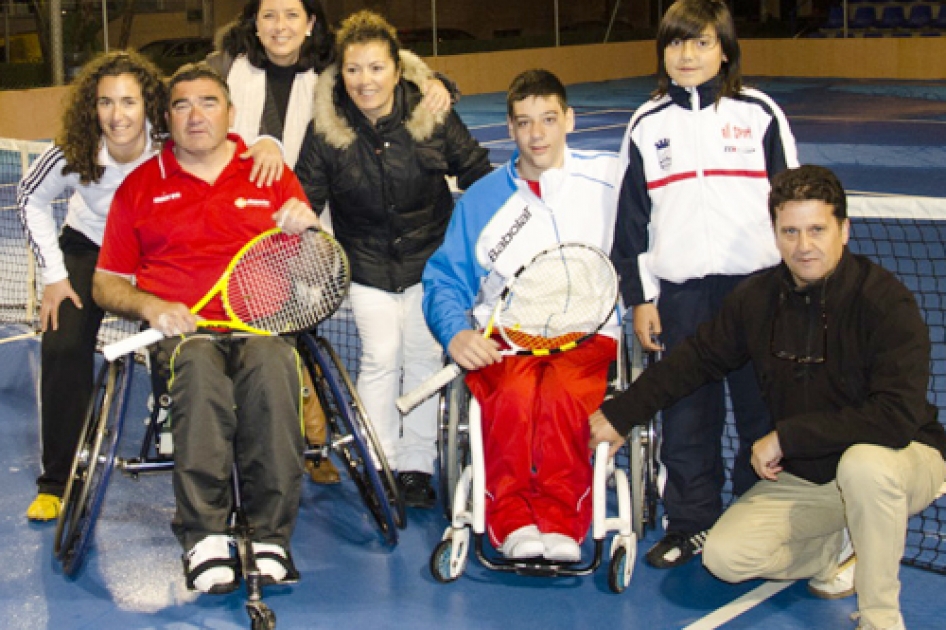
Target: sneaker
x=866 y=625
x=209 y=567
x=525 y=542
x=841 y=584
x=675 y=549
x=324 y=473
x=45 y=507
x=416 y=489
x=275 y=564
x=560 y=548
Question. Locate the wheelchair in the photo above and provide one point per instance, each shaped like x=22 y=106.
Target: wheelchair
x=349 y=437
x=462 y=487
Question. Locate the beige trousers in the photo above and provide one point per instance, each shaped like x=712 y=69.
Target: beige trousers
x=792 y=529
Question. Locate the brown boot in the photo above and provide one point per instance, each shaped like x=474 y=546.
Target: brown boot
x=324 y=473
x=313 y=416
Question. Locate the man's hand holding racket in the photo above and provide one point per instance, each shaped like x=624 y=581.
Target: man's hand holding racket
x=558 y=300
x=175 y=318
x=283 y=281
x=472 y=351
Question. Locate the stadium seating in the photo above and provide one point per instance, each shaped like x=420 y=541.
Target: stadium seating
x=864 y=18
x=940 y=21
x=891 y=18
x=920 y=16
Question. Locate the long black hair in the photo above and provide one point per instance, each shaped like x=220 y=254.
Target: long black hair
x=317 y=52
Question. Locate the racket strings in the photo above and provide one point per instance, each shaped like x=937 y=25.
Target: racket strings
x=558 y=299
x=288 y=283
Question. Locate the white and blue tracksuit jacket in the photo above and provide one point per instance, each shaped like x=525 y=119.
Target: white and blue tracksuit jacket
x=499 y=225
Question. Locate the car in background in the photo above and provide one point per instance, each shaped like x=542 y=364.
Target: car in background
x=171 y=54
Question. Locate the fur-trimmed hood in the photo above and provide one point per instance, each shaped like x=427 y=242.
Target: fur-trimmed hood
x=331 y=123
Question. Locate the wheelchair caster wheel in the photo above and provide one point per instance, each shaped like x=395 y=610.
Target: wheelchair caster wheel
x=440 y=566
x=620 y=569
x=261 y=616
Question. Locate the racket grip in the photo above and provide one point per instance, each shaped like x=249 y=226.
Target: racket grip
x=428 y=388
x=129 y=344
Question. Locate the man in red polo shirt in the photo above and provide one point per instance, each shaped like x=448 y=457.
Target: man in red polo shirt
x=174 y=225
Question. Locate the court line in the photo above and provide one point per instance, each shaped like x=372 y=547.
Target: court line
x=29 y=335
x=739 y=605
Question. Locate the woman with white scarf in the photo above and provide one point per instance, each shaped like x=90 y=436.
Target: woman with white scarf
x=271 y=57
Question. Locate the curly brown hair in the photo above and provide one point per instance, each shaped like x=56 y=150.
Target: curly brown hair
x=81 y=134
x=363 y=27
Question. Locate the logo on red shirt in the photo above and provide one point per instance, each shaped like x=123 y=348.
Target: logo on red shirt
x=243 y=202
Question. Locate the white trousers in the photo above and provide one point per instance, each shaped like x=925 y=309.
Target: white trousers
x=398 y=354
x=792 y=529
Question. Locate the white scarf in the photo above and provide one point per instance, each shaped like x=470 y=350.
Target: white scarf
x=248 y=91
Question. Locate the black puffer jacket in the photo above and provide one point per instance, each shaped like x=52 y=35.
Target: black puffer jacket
x=385 y=184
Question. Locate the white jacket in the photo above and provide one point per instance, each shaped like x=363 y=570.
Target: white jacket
x=694 y=197
x=88 y=205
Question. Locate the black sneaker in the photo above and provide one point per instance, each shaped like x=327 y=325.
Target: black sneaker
x=416 y=489
x=676 y=548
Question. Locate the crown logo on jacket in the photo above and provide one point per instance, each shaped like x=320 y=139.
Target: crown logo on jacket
x=664 y=157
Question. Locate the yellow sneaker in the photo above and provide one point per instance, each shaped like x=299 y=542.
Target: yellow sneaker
x=45 y=507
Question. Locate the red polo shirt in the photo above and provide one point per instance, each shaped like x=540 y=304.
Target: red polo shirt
x=176 y=234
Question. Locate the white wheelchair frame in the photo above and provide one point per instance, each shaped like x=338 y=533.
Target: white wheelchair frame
x=463 y=489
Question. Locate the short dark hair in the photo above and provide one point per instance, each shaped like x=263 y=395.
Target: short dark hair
x=317 y=52
x=686 y=19
x=537 y=82
x=807 y=183
x=199 y=70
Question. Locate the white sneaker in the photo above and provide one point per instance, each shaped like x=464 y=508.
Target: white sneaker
x=866 y=625
x=525 y=542
x=219 y=575
x=561 y=548
x=270 y=567
x=841 y=585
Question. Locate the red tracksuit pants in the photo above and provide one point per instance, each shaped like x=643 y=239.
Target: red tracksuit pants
x=535 y=438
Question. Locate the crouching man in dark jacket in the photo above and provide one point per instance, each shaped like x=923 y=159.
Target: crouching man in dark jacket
x=842 y=356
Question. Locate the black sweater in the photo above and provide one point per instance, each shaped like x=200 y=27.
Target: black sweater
x=871 y=388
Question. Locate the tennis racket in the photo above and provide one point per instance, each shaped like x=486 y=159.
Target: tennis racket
x=278 y=283
x=561 y=298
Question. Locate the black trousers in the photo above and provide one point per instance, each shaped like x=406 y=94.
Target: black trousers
x=234 y=399
x=68 y=356
x=692 y=429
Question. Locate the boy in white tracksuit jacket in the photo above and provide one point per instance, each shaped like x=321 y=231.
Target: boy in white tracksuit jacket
x=535 y=409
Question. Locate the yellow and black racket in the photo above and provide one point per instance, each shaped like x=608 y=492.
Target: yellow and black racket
x=561 y=298
x=277 y=283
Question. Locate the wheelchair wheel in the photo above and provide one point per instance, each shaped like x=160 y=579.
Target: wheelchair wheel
x=453 y=440
x=92 y=465
x=618 y=575
x=261 y=616
x=352 y=437
x=643 y=478
x=440 y=564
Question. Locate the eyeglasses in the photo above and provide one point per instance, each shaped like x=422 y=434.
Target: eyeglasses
x=702 y=43
x=803 y=359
